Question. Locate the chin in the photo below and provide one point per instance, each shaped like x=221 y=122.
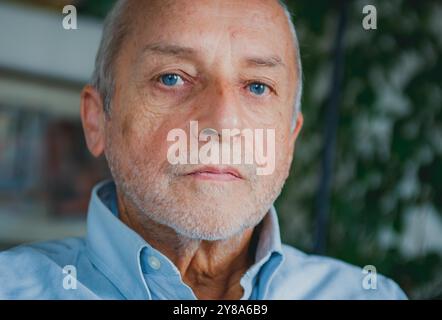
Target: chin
x=212 y=221
x=211 y=232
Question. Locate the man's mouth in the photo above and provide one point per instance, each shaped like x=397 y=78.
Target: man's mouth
x=215 y=173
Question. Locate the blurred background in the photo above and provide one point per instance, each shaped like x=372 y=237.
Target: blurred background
x=366 y=183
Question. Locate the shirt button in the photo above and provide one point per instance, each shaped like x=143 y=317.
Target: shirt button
x=154 y=263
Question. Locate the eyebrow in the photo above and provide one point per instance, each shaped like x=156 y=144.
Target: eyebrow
x=169 y=49
x=183 y=51
x=269 y=62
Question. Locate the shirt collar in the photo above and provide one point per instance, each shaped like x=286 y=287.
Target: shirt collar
x=119 y=252
x=268 y=257
x=112 y=246
x=269 y=237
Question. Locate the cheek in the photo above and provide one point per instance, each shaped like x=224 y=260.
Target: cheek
x=282 y=149
x=145 y=141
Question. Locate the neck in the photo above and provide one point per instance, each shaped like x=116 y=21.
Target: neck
x=212 y=269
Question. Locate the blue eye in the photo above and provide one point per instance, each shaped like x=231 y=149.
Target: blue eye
x=171 y=79
x=257 y=88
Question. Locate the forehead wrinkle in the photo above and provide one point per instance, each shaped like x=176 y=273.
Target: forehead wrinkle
x=165 y=49
x=168 y=49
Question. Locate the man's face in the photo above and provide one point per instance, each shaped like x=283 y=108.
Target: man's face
x=225 y=64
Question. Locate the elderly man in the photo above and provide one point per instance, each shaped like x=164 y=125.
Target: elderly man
x=195 y=229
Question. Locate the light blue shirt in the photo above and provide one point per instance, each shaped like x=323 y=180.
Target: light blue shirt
x=114 y=262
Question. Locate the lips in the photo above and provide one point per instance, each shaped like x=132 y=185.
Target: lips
x=216 y=173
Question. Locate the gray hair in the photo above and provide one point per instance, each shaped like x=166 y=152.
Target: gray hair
x=116 y=27
x=298 y=96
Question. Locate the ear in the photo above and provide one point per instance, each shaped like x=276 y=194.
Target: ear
x=93 y=119
x=298 y=126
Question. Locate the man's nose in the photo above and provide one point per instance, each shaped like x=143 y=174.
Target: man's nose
x=220 y=108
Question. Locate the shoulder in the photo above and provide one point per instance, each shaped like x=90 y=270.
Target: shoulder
x=28 y=271
x=304 y=276
x=58 y=252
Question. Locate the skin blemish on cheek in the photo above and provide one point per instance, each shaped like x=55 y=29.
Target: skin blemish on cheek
x=234 y=33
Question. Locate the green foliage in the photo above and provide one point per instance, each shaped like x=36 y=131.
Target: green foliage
x=389 y=145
